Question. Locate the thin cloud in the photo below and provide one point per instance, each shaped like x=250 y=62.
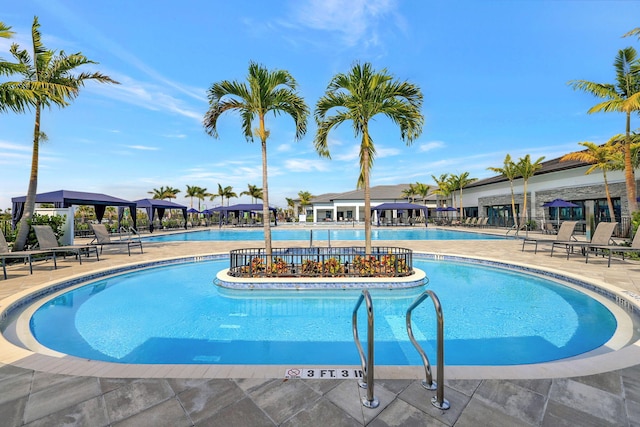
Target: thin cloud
x=14 y=147
x=305 y=165
x=356 y=21
x=142 y=147
x=429 y=146
x=147 y=96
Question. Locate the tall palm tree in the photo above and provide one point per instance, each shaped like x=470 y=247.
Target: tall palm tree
x=291 y=203
x=359 y=96
x=15 y=95
x=526 y=170
x=444 y=189
x=254 y=192
x=164 y=193
x=305 y=200
x=422 y=190
x=409 y=193
x=224 y=192
x=623 y=96
x=58 y=85
x=458 y=182
x=509 y=171
x=192 y=191
x=600 y=157
x=267 y=92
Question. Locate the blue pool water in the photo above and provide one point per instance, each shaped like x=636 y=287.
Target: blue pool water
x=175 y=314
x=414 y=233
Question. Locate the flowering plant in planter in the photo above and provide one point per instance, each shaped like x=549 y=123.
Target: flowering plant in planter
x=311 y=268
x=333 y=267
x=279 y=267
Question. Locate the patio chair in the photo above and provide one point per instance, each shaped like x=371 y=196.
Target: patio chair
x=47 y=241
x=102 y=239
x=601 y=237
x=564 y=236
x=26 y=256
x=611 y=249
x=549 y=228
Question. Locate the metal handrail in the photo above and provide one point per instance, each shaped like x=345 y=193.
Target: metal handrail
x=438 y=400
x=367 y=363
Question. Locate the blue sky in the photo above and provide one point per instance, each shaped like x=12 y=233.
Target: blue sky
x=493 y=73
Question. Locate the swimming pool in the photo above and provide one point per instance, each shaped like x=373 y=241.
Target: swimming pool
x=417 y=233
x=492 y=317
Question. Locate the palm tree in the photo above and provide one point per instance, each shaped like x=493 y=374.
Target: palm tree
x=164 y=193
x=224 y=192
x=18 y=96
x=192 y=191
x=526 y=170
x=409 y=193
x=600 y=157
x=509 y=171
x=621 y=97
x=267 y=92
x=444 y=189
x=58 y=85
x=291 y=203
x=422 y=190
x=359 y=96
x=458 y=182
x=254 y=192
x=305 y=200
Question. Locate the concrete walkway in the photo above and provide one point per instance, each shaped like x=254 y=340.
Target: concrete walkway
x=46 y=396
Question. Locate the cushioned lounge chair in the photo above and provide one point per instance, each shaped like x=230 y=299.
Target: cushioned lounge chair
x=104 y=239
x=601 y=237
x=25 y=256
x=611 y=249
x=47 y=241
x=564 y=236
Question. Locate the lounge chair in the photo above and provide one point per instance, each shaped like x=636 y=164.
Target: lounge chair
x=103 y=239
x=548 y=228
x=601 y=237
x=564 y=236
x=47 y=241
x=482 y=222
x=25 y=256
x=635 y=247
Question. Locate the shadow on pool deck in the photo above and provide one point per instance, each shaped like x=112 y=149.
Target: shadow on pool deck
x=36 y=397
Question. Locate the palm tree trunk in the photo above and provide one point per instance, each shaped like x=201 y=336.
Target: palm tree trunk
x=367 y=195
x=30 y=202
x=612 y=213
x=461 y=209
x=266 y=215
x=525 y=213
x=629 y=173
x=513 y=207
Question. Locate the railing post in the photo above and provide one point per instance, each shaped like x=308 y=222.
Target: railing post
x=367 y=363
x=438 y=400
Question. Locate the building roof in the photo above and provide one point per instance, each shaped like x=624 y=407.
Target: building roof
x=553 y=165
x=379 y=192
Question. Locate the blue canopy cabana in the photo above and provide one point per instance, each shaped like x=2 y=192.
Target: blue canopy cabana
x=401 y=207
x=160 y=206
x=246 y=207
x=66 y=198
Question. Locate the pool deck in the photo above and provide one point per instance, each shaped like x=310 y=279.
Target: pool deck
x=41 y=390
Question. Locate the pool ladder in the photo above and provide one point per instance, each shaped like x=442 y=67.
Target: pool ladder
x=370 y=401
x=428 y=383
